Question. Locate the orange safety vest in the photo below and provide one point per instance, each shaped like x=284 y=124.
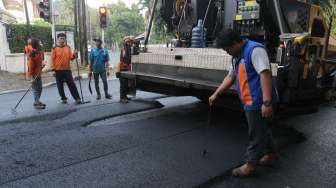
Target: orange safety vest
x=122 y=66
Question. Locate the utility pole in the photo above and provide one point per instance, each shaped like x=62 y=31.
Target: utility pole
x=150 y=22
x=29 y=35
x=80 y=19
x=53 y=22
x=80 y=25
x=84 y=23
x=89 y=22
x=27 y=18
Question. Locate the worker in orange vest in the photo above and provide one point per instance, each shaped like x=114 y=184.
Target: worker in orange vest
x=125 y=65
x=61 y=55
x=27 y=49
x=35 y=65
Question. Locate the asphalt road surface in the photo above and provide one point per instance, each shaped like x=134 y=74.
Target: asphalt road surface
x=148 y=143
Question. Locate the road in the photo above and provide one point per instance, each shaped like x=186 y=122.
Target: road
x=145 y=144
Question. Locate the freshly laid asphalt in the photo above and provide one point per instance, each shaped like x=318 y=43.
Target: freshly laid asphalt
x=146 y=144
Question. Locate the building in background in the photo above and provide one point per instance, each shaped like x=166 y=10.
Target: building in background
x=15 y=9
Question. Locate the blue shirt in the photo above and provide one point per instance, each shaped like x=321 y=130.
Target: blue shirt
x=98 y=58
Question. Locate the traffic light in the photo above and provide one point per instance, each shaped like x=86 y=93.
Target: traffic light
x=45 y=10
x=102 y=17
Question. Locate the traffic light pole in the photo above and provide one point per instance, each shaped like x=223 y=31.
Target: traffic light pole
x=103 y=35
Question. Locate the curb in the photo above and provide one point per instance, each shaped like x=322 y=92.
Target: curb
x=20 y=90
x=85 y=77
x=46 y=85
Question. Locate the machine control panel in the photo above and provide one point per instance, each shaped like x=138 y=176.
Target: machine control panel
x=248 y=10
x=247 y=20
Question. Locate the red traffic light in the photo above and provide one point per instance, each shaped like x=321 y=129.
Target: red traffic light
x=102 y=10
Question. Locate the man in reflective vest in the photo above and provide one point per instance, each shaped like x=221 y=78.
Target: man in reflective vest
x=251 y=72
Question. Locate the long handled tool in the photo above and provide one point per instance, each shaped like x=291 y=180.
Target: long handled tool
x=80 y=84
x=206 y=132
x=90 y=89
x=17 y=104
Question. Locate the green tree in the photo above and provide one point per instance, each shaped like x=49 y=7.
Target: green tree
x=64 y=9
x=330 y=13
x=41 y=23
x=123 y=21
x=158 y=34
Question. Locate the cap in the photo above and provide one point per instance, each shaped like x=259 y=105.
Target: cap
x=97 y=40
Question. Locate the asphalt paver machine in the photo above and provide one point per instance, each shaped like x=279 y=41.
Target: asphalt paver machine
x=294 y=33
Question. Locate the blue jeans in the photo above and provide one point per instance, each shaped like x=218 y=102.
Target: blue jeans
x=104 y=79
x=37 y=88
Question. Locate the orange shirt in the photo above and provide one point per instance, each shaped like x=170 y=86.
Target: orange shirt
x=61 y=57
x=122 y=65
x=28 y=48
x=35 y=64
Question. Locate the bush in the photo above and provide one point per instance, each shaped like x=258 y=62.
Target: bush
x=17 y=34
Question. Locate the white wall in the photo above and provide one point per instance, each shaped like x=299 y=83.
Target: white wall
x=15 y=62
x=4 y=48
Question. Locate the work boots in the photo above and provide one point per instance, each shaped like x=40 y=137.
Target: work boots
x=268 y=159
x=108 y=96
x=39 y=105
x=245 y=170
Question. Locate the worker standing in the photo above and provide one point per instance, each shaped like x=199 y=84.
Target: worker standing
x=35 y=65
x=251 y=72
x=27 y=49
x=124 y=65
x=61 y=55
x=99 y=66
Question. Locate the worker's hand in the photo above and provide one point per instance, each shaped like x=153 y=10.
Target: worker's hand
x=108 y=73
x=90 y=74
x=75 y=53
x=266 y=112
x=44 y=64
x=212 y=99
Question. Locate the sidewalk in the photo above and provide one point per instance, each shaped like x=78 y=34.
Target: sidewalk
x=10 y=81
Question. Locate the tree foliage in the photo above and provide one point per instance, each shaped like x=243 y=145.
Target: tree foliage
x=16 y=35
x=123 y=21
x=330 y=13
x=158 y=33
x=64 y=10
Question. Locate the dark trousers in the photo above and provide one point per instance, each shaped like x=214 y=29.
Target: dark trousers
x=123 y=88
x=104 y=79
x=260 y=138
x=66 y=76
